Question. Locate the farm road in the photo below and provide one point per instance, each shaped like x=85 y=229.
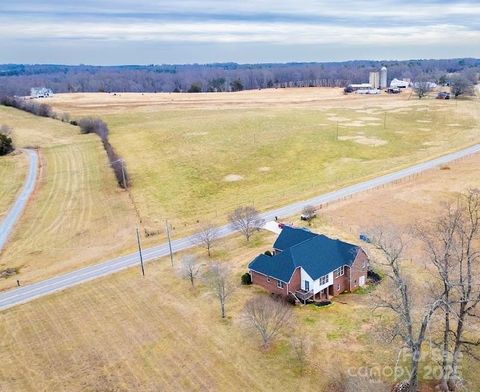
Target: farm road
x=15 y=212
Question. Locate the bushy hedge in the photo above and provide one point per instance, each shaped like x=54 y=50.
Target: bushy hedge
x=39 y=109
x=246 y=279
x=6 y=145
x=93 y=125
x=98 y=126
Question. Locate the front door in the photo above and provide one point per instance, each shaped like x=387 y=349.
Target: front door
x=307 y=285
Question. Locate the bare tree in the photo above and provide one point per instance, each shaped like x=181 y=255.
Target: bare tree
x=219 y=281
x=467 y=290
x=441 y=245
x=422 y=88
x=246 y=220
x=461 y=85
x=5 y=130
x=412 y=318
x=206 y=237
x=190 y=268
x=454 y=250
x=309 y=213
x=268 y=317
x=301 y=348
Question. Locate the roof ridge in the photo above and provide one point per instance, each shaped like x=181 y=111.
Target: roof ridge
x=308 y=239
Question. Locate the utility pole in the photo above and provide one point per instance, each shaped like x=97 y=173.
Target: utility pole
x=169 y=240
x=140 y=252
x=123 y=175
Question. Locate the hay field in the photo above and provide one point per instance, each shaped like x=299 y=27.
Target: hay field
x=125 y=332
x=76 y=215
x=13 y=169
x=196 y=157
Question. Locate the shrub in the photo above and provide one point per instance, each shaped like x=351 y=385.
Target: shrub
x=323 y=302
x=6 y=145
x=291 y=299
x=39 y=109
x=373 y=276
x=93 y=125
x=246 y=279
x=195 y=88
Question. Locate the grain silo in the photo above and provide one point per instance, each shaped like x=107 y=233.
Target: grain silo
x=374 y=79
x=383 y=77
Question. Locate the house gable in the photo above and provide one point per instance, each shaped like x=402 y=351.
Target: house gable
x=290 y=236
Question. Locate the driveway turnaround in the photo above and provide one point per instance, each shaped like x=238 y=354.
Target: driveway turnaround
x=39 y=289
x=7 y=224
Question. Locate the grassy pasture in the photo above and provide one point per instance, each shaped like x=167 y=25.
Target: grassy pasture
x=76 y=215
x=195 y=157
x=125 y=332
x=13 y=169
x=156 y=333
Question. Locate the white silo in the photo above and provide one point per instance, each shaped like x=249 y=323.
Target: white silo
x=383 y=77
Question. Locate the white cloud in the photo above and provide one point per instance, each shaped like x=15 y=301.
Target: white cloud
x=272 y=32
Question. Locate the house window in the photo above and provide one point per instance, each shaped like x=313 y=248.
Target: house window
x=338 y=287
x=339 y=271
x=323 y=280
x=364 y=264
x=268 y=279
x=279 y=284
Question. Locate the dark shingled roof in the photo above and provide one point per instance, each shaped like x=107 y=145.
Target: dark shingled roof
x=317 y=254
x=290 y=236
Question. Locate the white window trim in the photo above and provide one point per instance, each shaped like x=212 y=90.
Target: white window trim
x=323 y=280
x=280 y=284
x=340 y=271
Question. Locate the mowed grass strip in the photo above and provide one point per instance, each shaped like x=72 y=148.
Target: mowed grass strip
x=13 y=170
x=77 y=214
x=155 y=333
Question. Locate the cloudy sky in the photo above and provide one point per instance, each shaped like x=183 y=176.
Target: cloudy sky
x=245 y=31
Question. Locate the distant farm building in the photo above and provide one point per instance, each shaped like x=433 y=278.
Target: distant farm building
x=397 y=83
x=383 y=77
x=40 y=92
x=374 y=79
x=360 y=86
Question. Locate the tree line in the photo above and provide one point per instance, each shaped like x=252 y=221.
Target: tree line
x=86 y=124
x=17 y=79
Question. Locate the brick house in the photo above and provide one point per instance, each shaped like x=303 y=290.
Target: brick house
x=310 y=265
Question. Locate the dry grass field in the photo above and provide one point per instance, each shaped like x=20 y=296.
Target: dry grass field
x=13 y=169
x=125 y=332
x=196 y=157
x=77 y=215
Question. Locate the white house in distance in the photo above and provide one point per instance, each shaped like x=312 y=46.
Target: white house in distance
x=40 y=92
x=397 y=83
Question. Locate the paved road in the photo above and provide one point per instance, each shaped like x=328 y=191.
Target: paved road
x=27 y=293
x=7 y=224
